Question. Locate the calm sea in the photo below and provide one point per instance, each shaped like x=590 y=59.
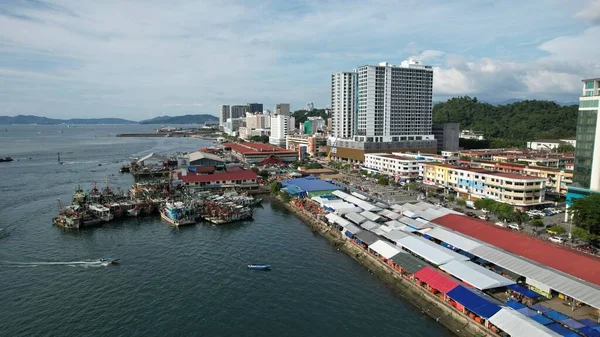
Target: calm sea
x=172 y=282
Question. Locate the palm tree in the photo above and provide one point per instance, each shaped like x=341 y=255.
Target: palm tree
x=520 y=217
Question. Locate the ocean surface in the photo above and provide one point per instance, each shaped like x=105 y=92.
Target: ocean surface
x=171 y=282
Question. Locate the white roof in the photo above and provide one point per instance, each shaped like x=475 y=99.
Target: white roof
x=516 y=324
x=352 y=229
x=430 y=251
x=411 y=222
x=338 y=205
x=360 y=196
x=396 y=207
x=358 y=202
x=355 y=217
x=393 y=224
x=454 y=239
x=384 y=249
x=340 y=194
x=332 y=217
x=370 y=215
x=395 y=235
x=475 y=275
x=430 y=213
x=578 y=289
x=409 y=214
x=389 y=214
x=368 y=225
x=203 y=155
x=351 y=209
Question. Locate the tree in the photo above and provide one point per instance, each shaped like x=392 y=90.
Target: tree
x=275 y=187
x=255 y=169
x=558 y=229
x=565 y=148
x=520 y=217
x=383 y=181
x=485 y=203
x=461 y=202
x=451 y=198
x=411 y=186
x=314 y=165
x=581 y=234
x=586 y=213
x=284 y=196
x=537 y=223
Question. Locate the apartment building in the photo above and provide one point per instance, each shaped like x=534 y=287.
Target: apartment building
x=397 y=165
x=477 y=183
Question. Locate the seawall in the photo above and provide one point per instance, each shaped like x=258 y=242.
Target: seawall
x=429 y=304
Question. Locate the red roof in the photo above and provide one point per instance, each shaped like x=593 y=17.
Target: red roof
x=436 y=280
x=203 y=178
x=250 y=148
x=204 y=169
x=572 y=262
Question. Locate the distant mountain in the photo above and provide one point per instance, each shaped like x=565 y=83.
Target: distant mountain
x=29 y=119
x=186 y=119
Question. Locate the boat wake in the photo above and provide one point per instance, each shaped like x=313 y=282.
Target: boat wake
x=85 y=264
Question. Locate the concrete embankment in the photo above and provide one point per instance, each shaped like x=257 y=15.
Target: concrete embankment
x=429 y=304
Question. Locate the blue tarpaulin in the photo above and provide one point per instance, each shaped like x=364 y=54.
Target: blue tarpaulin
x=514 y=304
x=558 y=328
x=555 y=315
x=543 y=320
x=589 y=332
x=473 y=302
x=528 y=312
x=571 y=323
x=540 y=308
x=523 y=291
x=589 y=322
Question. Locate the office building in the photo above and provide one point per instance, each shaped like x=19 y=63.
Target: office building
x=587 y=152
x=280 y=127
x=255 y=108
x=232 y=125
x=258 y=121
x=239 y=111
x=398 y=165
x=224 y=114
x=446 y=136
x=282 y=109
x=393 y=110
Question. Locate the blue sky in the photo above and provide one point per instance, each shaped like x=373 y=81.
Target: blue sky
x=138 y=59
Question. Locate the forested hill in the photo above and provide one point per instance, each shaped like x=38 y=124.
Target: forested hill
x=520 y=121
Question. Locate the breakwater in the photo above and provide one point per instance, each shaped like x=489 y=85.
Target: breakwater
x=429 y=304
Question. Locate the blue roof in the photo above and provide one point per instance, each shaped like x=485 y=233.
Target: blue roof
x=515 y=305
x=555 y=315
x=524 y=291
x=543 y=320
x=293 y=190
x=528 y=312
x=589 y=332
x=541 y=308
x=571 y=323
x=589 y=322
x=473 y=302
x=561 y=330
x=310 y=184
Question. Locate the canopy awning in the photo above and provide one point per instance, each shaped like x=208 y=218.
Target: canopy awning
x=384 y=249
x=474 y=302
x=475 y=275
x=436 y=280
x=516 y=324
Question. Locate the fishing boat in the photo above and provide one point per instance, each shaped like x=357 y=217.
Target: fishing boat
x=67 y=221
x=101 y=212
x=5 y=159
x=259 y=266
x=116 y=209
x=134 y=211
x=79 y=196
x=110 y=260
x=178 y=214
x=125 y=169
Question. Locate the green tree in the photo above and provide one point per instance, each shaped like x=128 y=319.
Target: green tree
x=284 y=196
x=485 y=203
x=275 y=187
x=503 y=211
x=581 y=234
x=383 y=181
x=255 y=169
x=520 y=217
x=461 y=202
x=564 y=148
x=558 y=229
x=537 y=223
x=411 y=186
x=586 y=213
x=451 y=198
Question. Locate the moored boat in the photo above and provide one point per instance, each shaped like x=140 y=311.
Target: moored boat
x=178 y=214
x=101 y=212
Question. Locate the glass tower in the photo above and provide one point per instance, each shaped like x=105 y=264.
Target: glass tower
x=587 y=152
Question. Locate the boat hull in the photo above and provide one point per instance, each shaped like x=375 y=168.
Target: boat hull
x=181 y=222
x=259 y=266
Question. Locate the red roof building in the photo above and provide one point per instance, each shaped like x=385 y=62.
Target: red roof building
x=250 y=152
x=569 y=261
x=228 y=178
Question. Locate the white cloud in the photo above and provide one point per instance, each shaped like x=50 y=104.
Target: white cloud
x=591 y=12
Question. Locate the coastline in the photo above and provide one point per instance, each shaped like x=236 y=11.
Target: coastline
x=454 y=321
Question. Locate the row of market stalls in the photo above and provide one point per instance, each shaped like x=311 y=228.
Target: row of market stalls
x=440 y=260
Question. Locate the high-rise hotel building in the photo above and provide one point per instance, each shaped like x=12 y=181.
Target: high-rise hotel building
x=388 y=108
x=587 y=152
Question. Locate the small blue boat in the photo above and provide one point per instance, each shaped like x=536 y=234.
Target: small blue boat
x=259 y=266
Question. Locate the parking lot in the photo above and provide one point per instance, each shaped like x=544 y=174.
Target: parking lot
x=390 y=194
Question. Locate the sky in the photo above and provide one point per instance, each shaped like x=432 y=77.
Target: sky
x=138 y=59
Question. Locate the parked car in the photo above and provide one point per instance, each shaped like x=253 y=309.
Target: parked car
x=471 y=214
x=483 y=217
x=557 y=239
x=500 y=224
x=515 y=226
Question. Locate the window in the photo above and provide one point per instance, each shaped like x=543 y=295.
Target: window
x=589 y=104
x=589 y=85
